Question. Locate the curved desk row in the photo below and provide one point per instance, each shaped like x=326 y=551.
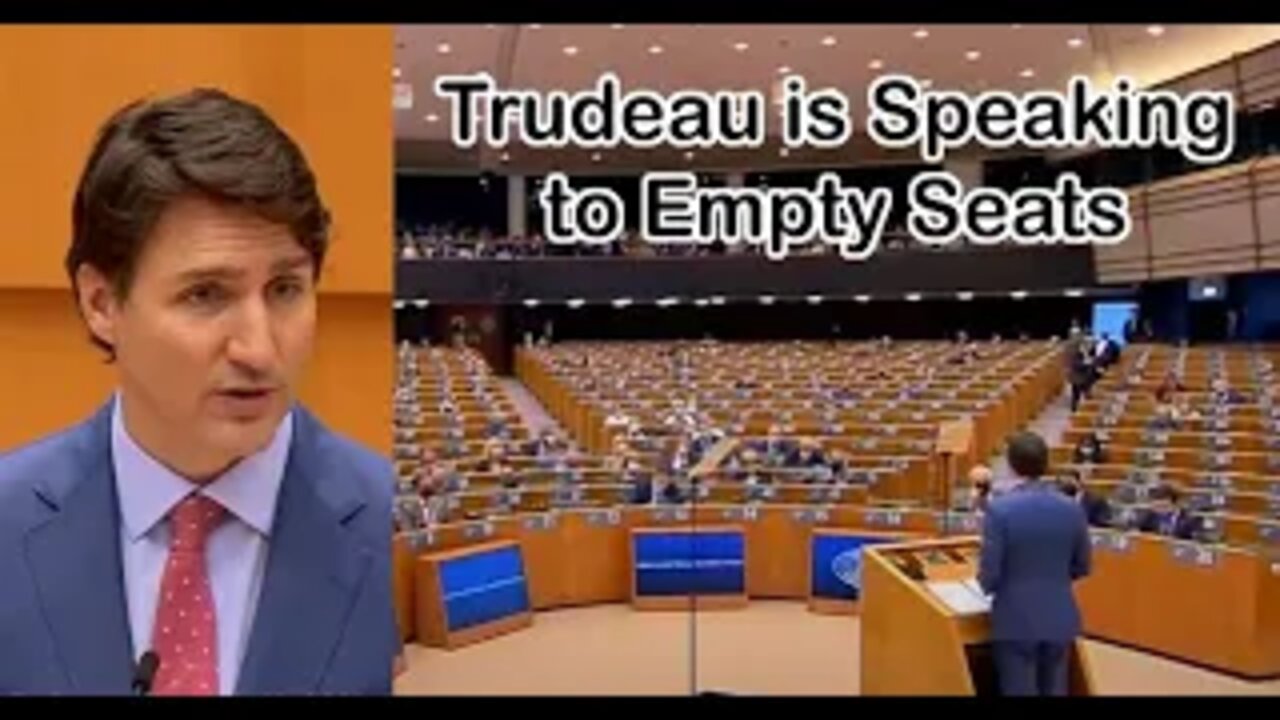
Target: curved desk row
x=585 y=556
x=1213 y=606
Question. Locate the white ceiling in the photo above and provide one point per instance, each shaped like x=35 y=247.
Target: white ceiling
x=708 y=57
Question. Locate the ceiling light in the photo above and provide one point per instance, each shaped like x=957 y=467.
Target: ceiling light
x=688 y=154
x=717 y=299
x=1155 y=30
x=913 y=297
x=622 y=302
x=444 y=48
x=395 y=73
x=783 y=152
x=655 y=49
x=829 y=40
x=397 y=304
x=531 y=302
x=575 y=302
x=740 y=46
x=667 y=302
x=420 y=304
x=1073 y=293
x=972 y=55
x=571 y=50
x=1018 y=294
x=784 y=69
x=432 y=117
x=1028 y=73
x=595 y=157
x=965 y=295
x=814 y=299
x=862 y=298
x=534 y=26
x=1075 y=42
x=702 y=302
x=616 y=26
x=876 y=64
x=767 y=299
x=920 y=34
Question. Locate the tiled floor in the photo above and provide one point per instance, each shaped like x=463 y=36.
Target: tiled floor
x=769 y=648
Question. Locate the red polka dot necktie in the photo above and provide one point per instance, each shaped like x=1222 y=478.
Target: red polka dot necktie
x=185 y=635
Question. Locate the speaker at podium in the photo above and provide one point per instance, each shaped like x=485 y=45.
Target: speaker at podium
x=926 y=622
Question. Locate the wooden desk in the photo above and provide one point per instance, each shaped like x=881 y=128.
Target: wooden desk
x=687 y=568
x=453 y=611
x=1213 y=606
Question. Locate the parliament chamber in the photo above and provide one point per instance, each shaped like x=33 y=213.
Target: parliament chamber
x=636 y=466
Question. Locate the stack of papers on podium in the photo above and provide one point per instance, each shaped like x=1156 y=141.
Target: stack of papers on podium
x=962 y=597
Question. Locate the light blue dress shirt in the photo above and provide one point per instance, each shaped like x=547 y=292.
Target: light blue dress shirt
x=236 y=554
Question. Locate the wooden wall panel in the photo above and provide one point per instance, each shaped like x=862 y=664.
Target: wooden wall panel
x=329 y=86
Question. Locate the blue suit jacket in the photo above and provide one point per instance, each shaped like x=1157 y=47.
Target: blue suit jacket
x=1035 y=543
x=325 y=622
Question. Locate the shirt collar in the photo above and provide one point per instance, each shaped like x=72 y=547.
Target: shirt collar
x=148 y=490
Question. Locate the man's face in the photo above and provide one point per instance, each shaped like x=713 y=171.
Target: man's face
x=214 y=333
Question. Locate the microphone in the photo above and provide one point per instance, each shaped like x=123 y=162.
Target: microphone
x=145 y=673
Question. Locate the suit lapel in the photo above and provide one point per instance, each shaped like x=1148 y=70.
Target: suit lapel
x=315 y=567
x=74 y=560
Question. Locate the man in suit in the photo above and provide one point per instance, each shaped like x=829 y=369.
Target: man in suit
x=1035 y=543
x=201 y=516
x=1097 y=511
x=1166 y=516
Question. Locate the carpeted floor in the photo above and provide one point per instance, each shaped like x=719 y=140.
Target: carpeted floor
x=769 y=648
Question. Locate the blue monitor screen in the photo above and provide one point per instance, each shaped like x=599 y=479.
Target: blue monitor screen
x=1110 y=318
x=483 y=587
x=684 y=563
x=836 y=565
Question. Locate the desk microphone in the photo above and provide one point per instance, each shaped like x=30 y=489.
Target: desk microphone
x=145 y=673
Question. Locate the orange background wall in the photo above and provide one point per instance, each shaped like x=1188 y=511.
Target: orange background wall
x=328 y=86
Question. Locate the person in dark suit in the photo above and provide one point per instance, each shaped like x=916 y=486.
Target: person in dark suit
x=1079 y=374
x=1166 y=516
x=1097 y=511
x=1035 y=544
x=202 y=515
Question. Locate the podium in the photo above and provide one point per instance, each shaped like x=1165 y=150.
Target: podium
x=925 y=629
x=470 y=594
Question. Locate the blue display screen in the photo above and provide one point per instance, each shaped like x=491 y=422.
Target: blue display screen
x=483 y=587
x=686 y=563
x=1111 y=317
x=836 y=565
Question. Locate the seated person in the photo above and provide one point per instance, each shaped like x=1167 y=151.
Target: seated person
x=1167 y=417
x=1090 y=450
x=808 y=453
x=980 y=482
x=1168 y=387
x=672 y=493
x=1097 y=511
x=1225 y=395
x=1166 y=516
x=496 y=426
x=449 y=478
x=640 y=491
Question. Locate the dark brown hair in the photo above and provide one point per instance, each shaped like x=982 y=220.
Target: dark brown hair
x=202 y=143
x=1028 y=454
